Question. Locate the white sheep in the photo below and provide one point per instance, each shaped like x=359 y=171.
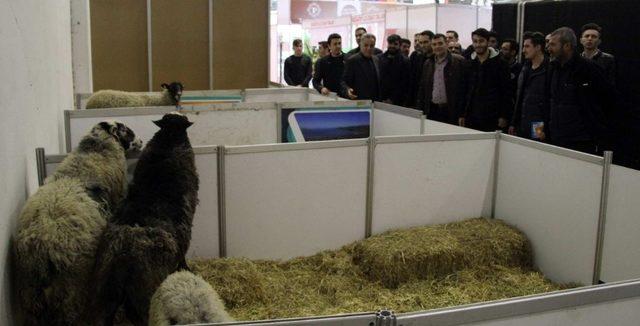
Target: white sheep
x=108 y=98
x=186 y=298
x=60 y=225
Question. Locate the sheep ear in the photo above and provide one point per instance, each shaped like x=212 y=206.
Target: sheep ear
x=164 y=86
x=158 y=123
x=111 y=128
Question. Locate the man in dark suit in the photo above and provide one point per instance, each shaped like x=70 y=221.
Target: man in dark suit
x=361 y=79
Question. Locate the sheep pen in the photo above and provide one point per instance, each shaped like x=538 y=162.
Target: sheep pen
x=344 y=281
x=108 y=98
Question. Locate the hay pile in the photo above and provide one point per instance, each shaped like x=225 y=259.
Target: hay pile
x=331 y=282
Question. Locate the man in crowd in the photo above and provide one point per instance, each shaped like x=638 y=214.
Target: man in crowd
x=488 y=100
x=455 y=48
x=323 y=49
x=330 y=68
x=297 y=67
x=416 y=61
x=493 y=40
x=580 y=97
x=394 y=70
x=359 y=32
x=361 y=78
x=452 y=36
x=416 y=42
x=509 y=53
x=531 y=115
x=591 y=39
x=405 y=47
x=442 y=90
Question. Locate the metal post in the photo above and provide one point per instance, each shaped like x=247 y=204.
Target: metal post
x=406 y=22
x=496 y=159
x=602 y=215
x=211 y=44
x=369 y=202
x=149 y=47
x=67 y=131
x=386 y=318
x=423 y=120
x=222 y=213
x=41 y=165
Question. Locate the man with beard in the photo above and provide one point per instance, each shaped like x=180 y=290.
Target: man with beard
x=405 y=47
x=509 y=51
x=488 y=100
x=441 y=93
x=394 y=69
x=330 y=68
x=531 y=115
x=416 y=61
x=580 y=98
x=361 y=78
x=591 y=39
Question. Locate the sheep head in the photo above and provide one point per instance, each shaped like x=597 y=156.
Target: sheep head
x=118 y=130
x=174 y=121
x=175 y=91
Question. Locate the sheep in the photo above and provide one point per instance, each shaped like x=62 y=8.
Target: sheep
x=59 y=226
x=108 y=98
x=185 y=298
x=150 y=233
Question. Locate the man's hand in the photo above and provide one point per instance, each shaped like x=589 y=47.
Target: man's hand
x=325 y=91
x=512 y=131
x=352 y=95
x=502 y=122
x=461 y=122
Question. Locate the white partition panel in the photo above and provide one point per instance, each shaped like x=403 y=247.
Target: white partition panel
x=431 y=182
x=421 y=18
x=204 y=233
x=293 y=94
x=297 y=200
x=460 y=18
x=484 y=17
x=396 y=23
x=432 y=127
x=392 y=120
x=241 y=124
x=621 y=251
x=314 y=96
x=554 y=199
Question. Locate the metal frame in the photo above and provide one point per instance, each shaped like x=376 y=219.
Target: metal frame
x=41 y=165
x=211 y=44
x=67 y=129
x=222 y=210
x=398 y=109
x=326 y=104
x=149 y=46
x=602 y=215
x=268 y=91
x=423 y=120
x=553 y=149
x=496 y=170
x=246 y=149
x=371 y=150
x=433 y=138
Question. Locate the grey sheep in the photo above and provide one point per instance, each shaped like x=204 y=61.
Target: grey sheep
x=60 y=225
x=185 y=298
x=108 y=98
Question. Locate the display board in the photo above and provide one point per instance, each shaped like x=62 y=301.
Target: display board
x=432 y=127
x=391 y=120
x=424 y=180
x=229 y=124
x=554 y=199
x=621 y=251
x=290 y=200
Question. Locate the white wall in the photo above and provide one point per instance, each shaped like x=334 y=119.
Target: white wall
x=35 y=67
x=81 y=46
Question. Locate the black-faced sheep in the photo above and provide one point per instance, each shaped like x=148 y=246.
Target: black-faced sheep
x=150 y=233
x=108 y=98
x=185 y=298
x=60 y=225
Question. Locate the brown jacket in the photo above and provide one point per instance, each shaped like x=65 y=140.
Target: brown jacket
x=455 y=84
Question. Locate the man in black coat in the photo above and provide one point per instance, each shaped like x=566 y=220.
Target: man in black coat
x=394 y=72
x=489 y=103
x=358 y=34
x=531 y=115
x=591 y=39
x=442 y=91
x=298 y=67
x=329 y=69
x=361 y=79
x=509 y=52
x=581 y=98
x=416 y=62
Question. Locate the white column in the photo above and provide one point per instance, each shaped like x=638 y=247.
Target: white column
x=81 y=46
